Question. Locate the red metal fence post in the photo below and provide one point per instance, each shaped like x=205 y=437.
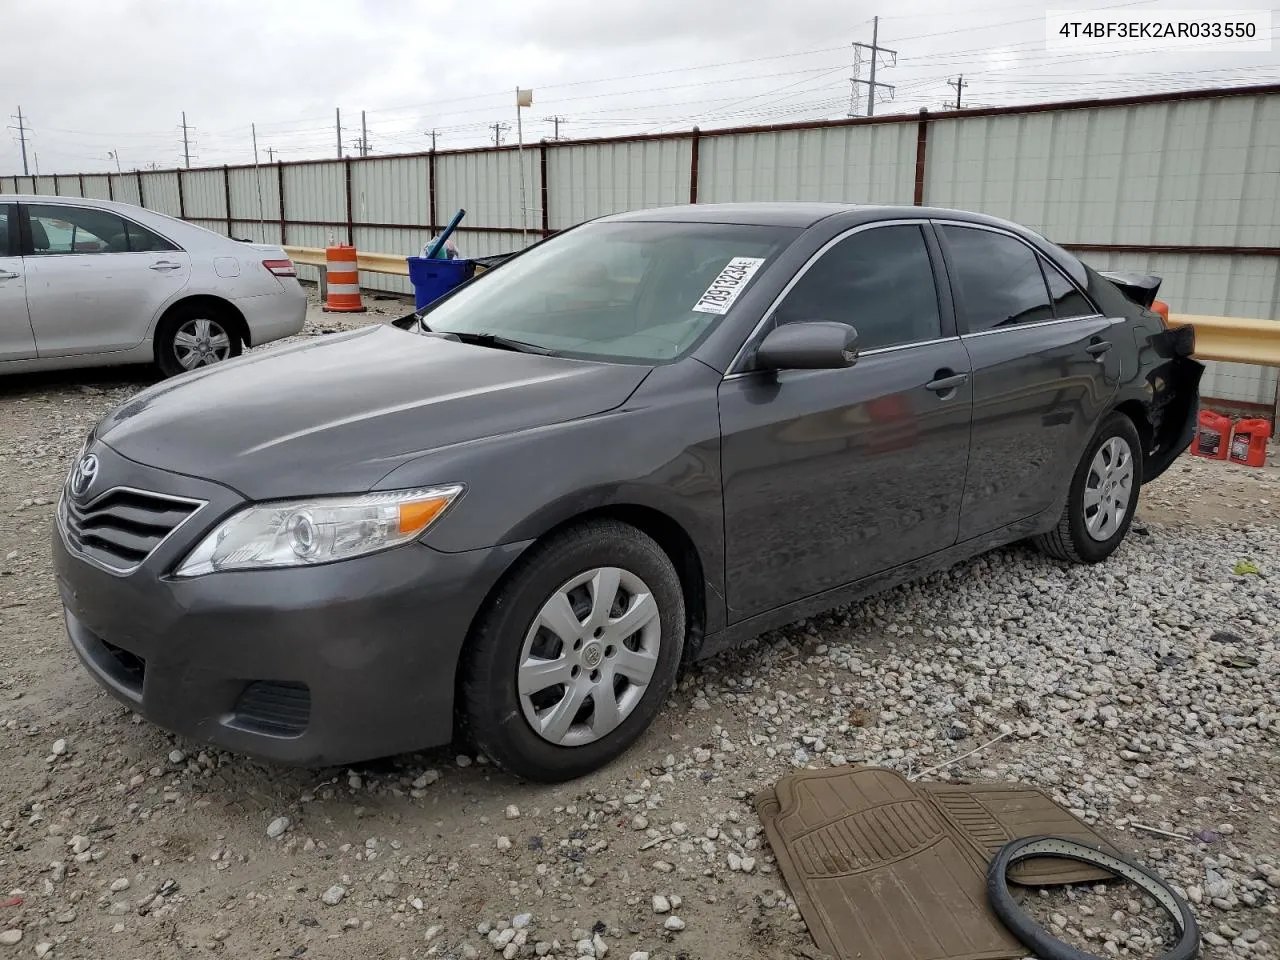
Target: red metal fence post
x=226 y=192
x=542 y=168
x=693 y=166
x=280 y=191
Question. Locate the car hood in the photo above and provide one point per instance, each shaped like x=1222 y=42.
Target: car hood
x=338 y=413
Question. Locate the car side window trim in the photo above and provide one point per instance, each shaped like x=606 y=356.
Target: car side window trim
x=734 y=369
x=1044 y=263
x=1045 y=266
x=26 y=246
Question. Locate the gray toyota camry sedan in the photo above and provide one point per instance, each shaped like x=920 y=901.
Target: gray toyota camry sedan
x=638 y=443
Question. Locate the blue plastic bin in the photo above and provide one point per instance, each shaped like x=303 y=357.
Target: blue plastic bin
x=432 y=279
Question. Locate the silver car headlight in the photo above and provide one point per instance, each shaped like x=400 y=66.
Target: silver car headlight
x=298 y=533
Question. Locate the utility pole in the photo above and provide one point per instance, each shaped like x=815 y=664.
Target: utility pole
x=875 y=50
x=337 y=119
x=36 y=156
x=22 y=139
x=257 y=176
x=498 y=130
x=432 y=134
x=271 y=154
x=364 y=136
x=186 y=142
x=115 y=155
x=959 y=84
x=555 y=122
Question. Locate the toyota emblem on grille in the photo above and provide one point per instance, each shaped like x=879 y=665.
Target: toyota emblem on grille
x=83 y=475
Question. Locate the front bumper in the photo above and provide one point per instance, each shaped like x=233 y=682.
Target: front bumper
x=321 y=665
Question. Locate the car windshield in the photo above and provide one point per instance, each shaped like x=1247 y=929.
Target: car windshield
x=638 y=292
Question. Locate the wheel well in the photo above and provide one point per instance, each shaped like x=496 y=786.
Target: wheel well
x=229 y=311
x=669 y=535
x=1135 y=411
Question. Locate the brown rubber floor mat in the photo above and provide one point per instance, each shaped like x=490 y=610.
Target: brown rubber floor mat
x=882 y=869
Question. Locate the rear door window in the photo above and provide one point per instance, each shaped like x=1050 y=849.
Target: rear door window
x=63 y=229
x=4 y=230
x=1067 y=300
x=997 y=278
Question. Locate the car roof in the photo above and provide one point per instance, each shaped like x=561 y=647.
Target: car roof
x=799 y=213
x=115 y=205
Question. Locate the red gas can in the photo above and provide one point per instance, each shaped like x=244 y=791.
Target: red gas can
x=1213 y=436
x=1249 y=443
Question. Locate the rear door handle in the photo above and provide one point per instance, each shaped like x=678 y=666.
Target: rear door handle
x=166 y=265
x=8 y=275
x=949 y=381
x=1098 y=348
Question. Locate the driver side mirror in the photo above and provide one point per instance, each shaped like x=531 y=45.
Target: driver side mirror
x=812 y=345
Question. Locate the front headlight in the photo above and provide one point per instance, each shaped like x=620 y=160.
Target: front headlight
x=297 y=533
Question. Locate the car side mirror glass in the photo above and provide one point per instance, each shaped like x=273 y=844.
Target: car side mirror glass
x=811 y=345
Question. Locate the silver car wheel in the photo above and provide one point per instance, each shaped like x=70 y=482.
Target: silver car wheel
x=1108 y=489
x=589 y=656
x=199 y=343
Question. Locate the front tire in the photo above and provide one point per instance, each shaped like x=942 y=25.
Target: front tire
x=193 y=336
x=1103 y=496
x=576 y=653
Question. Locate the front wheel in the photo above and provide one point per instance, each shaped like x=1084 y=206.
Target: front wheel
x=576 y=653
x=1103 y=496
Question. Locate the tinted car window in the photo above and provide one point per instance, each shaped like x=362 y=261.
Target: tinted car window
x=1067 y=300
x=879 y=281
x=4 y=232
x=998 y=279
x=57 y=229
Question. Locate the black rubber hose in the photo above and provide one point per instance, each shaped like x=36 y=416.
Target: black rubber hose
x=1040 y=941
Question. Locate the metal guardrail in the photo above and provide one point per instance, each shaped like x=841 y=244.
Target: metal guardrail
x=1231 y=339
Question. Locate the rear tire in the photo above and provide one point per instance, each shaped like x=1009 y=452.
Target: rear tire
x=575 y=654
x=1103 y=496
x=194 y=336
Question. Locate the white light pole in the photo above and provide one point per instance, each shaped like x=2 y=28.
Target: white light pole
x=524 y=98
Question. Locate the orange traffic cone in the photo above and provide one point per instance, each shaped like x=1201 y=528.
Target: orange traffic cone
x=342 y=280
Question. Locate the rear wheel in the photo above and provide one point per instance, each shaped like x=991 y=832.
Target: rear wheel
x=1103 y=496
x=576 y=653
x=194 y=336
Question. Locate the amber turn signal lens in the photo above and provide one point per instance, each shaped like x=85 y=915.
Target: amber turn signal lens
x=1162 y=308
x=418 y=514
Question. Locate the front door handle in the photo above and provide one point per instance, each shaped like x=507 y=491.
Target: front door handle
x=166 y=265
x=8 y=275
x=945 y=381
x=1098 y=348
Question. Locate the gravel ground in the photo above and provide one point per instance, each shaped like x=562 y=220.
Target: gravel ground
x=1142 y=694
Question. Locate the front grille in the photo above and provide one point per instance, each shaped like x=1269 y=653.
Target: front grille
x=121 y=528
x=274 y=707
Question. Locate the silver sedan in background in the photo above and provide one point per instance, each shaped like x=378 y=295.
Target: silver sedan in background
x=95 y=283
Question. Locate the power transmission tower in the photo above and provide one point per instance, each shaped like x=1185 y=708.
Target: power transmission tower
x=498 y=130
x=186 y=141
x=959 y=84
x=22 y=138
x=873 y=56
x=555 y=122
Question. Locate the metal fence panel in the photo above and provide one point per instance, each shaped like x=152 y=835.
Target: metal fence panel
x=255 y=197
x=1197 y=172
x=96 y=186
x=859 y=164
x=384 y=240
x=487 y=186
x=67 y=186
x=124 y=187
x=317 y=192
x=396 y=190
x=160 y=191
x=46 y=186
x=598 y=179
x=205 y=195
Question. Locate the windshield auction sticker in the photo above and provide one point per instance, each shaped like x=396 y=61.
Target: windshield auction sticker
x=725 y=288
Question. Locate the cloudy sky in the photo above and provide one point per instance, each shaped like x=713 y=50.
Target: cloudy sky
x=115 y=75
